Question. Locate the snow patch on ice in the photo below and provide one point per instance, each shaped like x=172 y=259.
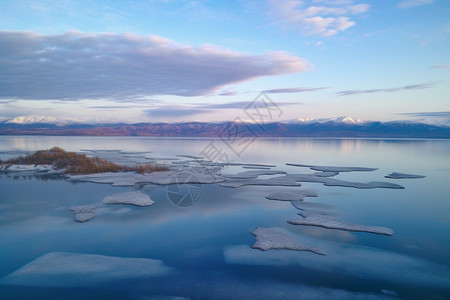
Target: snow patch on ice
x=32 y=168
x=279 y=238
x=320 y=220
x=302 y=205
x=397 y=175
x=83 y=213
x=334 y=168
x=297 y=196
x=275 y=181
x=130 y=198
x=294 y=179
x=186 y=175
x=253 y=174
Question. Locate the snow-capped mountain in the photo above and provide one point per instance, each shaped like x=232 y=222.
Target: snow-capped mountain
x=30 y=120
x=345 y=119
x=329 y=127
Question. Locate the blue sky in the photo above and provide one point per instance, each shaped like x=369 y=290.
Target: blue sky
x=178 y=60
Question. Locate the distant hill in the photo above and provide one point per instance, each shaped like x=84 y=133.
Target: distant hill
x=337 y=127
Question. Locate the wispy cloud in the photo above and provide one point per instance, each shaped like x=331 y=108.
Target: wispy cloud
x=412 y=3
x=440 y=118
x=434 y=114
x=227 y=93
x=294 y=90
x=388 y=90
x=175 y=110
x=112 y=66
x=440 y=67
x=317 y=17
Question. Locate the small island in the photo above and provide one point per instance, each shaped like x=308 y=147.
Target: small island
x=57 y=160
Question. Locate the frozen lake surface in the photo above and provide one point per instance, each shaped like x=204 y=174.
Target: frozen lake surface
x=58 y=238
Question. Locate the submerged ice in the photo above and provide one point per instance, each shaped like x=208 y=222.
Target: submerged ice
x=63 y=269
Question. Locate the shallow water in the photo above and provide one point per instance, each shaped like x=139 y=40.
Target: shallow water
x=207 y=245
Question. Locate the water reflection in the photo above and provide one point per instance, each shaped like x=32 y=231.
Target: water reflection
x=35 y=217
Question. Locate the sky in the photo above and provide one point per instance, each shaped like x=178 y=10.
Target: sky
x=179 y=60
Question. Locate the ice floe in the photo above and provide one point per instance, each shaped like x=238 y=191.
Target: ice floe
x=275 y=181
x=83 y=213
x=397 y=175
x=279 y=238
x=114 y=178
x=326 y=174
x=336 y=182
x=303 y=205
x=294 y=179
x=297 y=196
x=190 y=156
x=253 y=174
x=63 y=269
x=256 y=167
x=131 y=198
x=325 y=221
x=190 y=175
x=334 y=168
x=244 y=164
x=32 y=168
x=362 y=185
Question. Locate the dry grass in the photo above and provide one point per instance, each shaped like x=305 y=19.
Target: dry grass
x=74 y=163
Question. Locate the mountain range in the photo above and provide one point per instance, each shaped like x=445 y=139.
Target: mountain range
x=334 y=127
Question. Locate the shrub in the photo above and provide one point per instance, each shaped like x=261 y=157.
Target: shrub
x=74 y=163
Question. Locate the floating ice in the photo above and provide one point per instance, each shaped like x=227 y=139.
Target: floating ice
x=397 y=175
x=136 y=152
x=279 y=238
x=276 y=181
x=83 y=213
x=333 y=168
x=294 y=179
x=190 y=156
x=162 y=158
x=326 y=174
x=299 y=195
x=185 y=162
x=32 y=168
x=302 y=205
x=190 y=175
x=114 y=178
x=256 y=167
x=62 y=269
x=132 y=198
x=245 y=165
x=336 y=182
x=253 y=174
x=314 y=219
x=362 y=185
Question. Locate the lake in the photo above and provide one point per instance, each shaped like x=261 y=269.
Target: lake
x=203 y=250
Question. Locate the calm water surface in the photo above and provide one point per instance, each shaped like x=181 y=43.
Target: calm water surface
x=207 y=246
